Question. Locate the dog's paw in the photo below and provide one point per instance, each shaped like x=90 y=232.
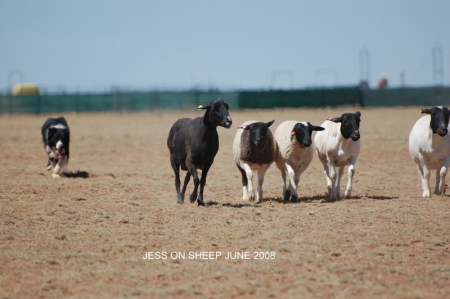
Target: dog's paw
x=55 y=175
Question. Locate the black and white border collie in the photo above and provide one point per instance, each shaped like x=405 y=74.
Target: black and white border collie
x=56 y=138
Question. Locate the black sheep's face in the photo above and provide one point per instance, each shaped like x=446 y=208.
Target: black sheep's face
x=218 y=113
x=439 y=120
x=258 y=132
x=349 y=125
x=302 y=132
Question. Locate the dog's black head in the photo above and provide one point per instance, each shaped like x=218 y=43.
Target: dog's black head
x=58 y=141
x=56 y=137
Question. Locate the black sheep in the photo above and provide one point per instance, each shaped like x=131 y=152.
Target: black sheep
x=193 y=144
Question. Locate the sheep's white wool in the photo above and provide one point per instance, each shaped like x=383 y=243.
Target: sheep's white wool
x=292 y=158
x=335 y=151
x=430 y=151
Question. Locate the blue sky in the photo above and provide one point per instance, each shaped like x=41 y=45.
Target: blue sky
x=97 y=44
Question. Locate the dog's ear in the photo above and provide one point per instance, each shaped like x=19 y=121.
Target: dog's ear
x=51 y=131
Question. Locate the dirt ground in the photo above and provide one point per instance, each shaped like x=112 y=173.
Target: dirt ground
x=112 y=227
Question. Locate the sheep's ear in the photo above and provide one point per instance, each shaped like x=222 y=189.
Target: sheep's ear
x=358 y=114
x=336 y=119
x=317 y=128
x=201 y=107
x=270 y=123
x=427 y=111
x=223 y=102
x=244 y=127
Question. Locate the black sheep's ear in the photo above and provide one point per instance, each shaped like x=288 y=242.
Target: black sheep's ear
x=427 y=111
x=317 y=128
x=335 y=119
x=270 y=123
x=201 y=107
x=358 y=114
x=244 y=127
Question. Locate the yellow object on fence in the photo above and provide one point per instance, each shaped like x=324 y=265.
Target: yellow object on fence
x=25 y=89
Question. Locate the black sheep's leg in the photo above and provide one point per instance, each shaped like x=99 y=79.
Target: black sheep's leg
x=176 y=170
x=186 y=181
x=205 y=170
x=193 y=171
x=244 y=183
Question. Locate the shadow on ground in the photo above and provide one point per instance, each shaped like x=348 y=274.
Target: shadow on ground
x=77 y=174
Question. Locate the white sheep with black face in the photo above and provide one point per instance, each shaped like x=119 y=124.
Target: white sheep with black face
x=429 y=147
x=254 y=149
x=295 y=153
x=337 y=147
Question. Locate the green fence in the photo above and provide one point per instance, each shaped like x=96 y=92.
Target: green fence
x=424 y=96
x=114 y=102
x=299 y=98
x=137 y=101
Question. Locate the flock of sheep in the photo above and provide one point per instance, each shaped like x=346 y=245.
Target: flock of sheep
x=193 y=144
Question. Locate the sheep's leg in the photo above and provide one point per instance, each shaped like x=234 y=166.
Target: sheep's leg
x=282 y=167
x=442 y=175
x=292 y=185
x=244 y=183
x=286 y=192
x=340 y=172
x=193 y=171
x=425 y=175
x=205 y=170
x=261 y=173
x=296 y=182
x=248 y=193
x=186 y=181
x=351 y=172
x=176 y=170
x=330 y=173
x=438 y=180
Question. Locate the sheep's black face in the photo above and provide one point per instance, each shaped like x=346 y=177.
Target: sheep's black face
x=303 y=133
x=258 y=132
x=349 y=125
x=439 y=120
x=217 y=113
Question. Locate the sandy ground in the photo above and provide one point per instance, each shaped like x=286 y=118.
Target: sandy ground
x=112 y=228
